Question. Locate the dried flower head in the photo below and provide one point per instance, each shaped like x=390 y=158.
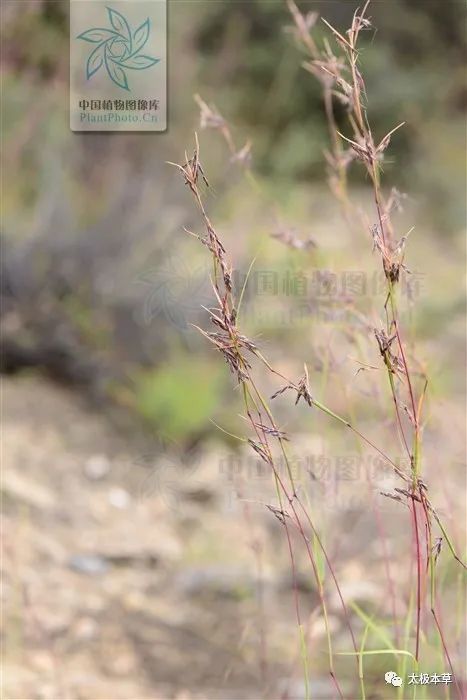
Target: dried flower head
x=302 y=388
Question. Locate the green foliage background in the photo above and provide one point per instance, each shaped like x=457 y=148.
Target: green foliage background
x=85 y=215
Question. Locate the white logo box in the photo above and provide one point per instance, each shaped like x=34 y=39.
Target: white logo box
x=118 y=65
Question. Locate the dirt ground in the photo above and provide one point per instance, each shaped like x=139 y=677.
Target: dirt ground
x=110 y=582
x=130 y=573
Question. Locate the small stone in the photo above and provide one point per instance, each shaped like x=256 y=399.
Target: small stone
x=218 y=581
x=88 y=564
x=97 y=467
x=22 y=488
x=119 y=498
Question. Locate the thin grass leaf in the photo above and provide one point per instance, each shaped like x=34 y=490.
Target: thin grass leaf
x=376 y=652
x=239 y=305
x=379 y=632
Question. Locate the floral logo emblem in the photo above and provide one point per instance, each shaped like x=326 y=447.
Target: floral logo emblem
x=118 y=49
x=177 y=291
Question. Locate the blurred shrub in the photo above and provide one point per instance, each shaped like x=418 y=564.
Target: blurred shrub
x=180 y=396
x=413 y=69
x=239 y=56
x=84 y=214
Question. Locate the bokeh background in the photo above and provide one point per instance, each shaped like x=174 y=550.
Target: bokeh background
x=140 y=559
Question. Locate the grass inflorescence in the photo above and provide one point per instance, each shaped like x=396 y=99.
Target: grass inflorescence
x=336 y=65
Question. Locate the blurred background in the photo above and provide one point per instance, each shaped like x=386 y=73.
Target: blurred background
x=140 y=560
